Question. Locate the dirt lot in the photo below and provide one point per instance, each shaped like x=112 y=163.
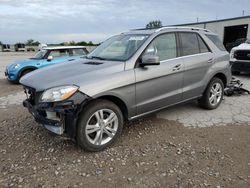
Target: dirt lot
x=183 y=146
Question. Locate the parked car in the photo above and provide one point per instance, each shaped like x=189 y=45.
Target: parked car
x=240 y=58
x=45 y=57
x=231 y=45
x=128 y=76
x=6 y=48
x=20 y=47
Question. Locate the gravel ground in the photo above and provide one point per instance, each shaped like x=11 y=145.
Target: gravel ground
x=168 y=149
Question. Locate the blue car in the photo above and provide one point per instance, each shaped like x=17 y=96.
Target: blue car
x=45 y=57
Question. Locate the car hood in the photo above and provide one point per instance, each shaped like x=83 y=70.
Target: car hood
x=24 y=62
x=243 y=46
x=80 y=73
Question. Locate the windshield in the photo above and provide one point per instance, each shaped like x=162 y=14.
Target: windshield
x=40 y=54
x=248 y=41
x=118 y=48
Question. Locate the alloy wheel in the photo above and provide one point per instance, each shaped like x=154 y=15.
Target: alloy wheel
x=215 y=94
x=101 y=127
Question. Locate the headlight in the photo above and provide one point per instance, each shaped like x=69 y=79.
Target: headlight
x=16 y=66
x=58 y=93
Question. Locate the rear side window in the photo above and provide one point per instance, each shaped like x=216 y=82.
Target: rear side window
x=216 y=40
x=190 y=44
x=203 y=46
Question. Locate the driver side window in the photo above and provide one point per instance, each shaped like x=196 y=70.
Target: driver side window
x=163 y=46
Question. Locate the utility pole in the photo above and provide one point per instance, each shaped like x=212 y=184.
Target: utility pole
x=243 y=12
x=197 y=19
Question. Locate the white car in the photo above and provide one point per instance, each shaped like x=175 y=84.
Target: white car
x=240 y=58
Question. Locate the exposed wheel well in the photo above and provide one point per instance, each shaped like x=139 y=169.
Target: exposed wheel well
x=222 y=77
x=119 y=103
x=26 y=69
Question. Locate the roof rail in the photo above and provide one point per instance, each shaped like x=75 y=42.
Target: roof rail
x=191 y=28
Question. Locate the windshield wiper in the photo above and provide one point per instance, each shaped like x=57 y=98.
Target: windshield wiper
x=95 y=57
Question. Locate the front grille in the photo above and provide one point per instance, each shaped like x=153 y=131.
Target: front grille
x=242 y=55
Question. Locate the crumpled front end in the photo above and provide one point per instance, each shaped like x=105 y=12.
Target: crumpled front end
x=57 y=117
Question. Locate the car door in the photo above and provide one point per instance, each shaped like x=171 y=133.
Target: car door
x=159 y=86
x=197 y=59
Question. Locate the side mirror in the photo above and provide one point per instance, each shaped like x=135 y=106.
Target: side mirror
x=50 y=58
x=149 y=59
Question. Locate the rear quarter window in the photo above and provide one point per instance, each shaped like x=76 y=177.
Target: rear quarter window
x=216 y=40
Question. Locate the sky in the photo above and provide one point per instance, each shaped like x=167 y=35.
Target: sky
x=55 y=21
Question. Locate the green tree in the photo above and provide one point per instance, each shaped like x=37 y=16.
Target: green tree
x=72 y=43
x=31 y=42
x=36 y=43
x=90 y=43
x=82 y=43
x=1 y=43
x=154 y=24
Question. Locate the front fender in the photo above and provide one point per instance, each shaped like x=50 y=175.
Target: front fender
x=26 y=68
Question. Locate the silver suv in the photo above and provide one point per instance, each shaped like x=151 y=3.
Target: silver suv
x=128 y=76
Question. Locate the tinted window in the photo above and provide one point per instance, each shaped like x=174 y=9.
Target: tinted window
x=163 y=46
x=202 y=45
x=216 y=40
x=78 y=52
x=59 y=53
x=189 y=43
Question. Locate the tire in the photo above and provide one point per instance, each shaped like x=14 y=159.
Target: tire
x=89 y=127
x=212 y=98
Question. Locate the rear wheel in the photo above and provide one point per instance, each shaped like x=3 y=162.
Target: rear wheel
x=213 y=94
x=99 y=125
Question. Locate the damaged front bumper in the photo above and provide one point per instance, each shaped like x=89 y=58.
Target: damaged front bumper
x=57 y=117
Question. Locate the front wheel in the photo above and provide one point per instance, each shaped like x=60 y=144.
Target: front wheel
x=99 y=125
x=213 y=94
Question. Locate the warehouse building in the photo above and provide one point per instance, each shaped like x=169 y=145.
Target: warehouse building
x=232 y=31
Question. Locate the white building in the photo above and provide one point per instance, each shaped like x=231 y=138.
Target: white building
x=229 y=30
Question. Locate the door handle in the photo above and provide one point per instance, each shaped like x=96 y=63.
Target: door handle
x=210 y=60
x=71 y=59
x=177 y=67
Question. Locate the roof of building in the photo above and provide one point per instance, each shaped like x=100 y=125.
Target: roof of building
x=211 y=21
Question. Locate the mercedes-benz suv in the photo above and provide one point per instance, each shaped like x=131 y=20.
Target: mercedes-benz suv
x=128 y=76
